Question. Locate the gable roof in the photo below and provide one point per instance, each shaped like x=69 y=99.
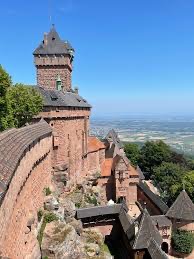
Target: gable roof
x=56 y=98
x=53 y=45
x=153 y=197
x=141 y=175
x=113 y=137
x=94 y=144
x=155 y=251
x=148 y=236
x=161 y=221
x=182 y=208
x=146 y=232
x=122 y=157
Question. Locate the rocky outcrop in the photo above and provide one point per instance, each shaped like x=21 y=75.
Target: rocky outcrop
x=61 y=241
x=65 y=237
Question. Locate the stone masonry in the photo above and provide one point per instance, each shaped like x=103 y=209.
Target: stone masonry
x=25 y=193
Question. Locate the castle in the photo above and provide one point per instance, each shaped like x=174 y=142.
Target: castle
x=58 y=146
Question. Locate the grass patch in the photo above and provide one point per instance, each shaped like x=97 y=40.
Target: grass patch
x=48 y=217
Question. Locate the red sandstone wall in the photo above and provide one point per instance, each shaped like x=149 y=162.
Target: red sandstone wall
x=188 y=226
x=104 y=228
x=49 y=68
x=107 y=185
x=93 y=162
x=72 y=134
x=101 y=156
x=58 y=112
x=22 y=201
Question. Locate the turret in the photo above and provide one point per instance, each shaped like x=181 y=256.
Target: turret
x=53 y=60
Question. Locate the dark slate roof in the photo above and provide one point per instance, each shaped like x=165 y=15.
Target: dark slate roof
x=13 y=145
x=98 y=211
x=58 y=98
x=153 y=197
x=155 y=251
x=182 y=208
x=112 y=136
x=54 y=45
x=125 y=220
x=141 y=175
x=146 y=232
x=148 y=236
x=161 y=221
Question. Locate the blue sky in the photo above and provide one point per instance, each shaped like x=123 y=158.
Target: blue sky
x=132 y=56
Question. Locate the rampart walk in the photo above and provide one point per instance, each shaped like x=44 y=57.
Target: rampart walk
x=25 y=170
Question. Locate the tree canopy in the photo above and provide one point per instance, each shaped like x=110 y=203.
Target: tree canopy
x=18 y=103
x=169 y=170
x=182 y=241
x=132 y=152
x=152 y=154
x=168 y=178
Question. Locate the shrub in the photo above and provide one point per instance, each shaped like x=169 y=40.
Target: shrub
x=40 y=214
x=49 y=217
x=91 y=200
x=47 y=191
x=182 y=241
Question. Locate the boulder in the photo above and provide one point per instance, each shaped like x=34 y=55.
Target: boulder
x=92 y=249
x=60 y=241
x=51 y=203
x=68 y=208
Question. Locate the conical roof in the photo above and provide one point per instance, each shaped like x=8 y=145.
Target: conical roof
x=52 y=45
x=146 y=232
x=182 y=208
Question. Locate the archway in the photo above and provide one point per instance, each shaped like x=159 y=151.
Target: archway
x=164 y=247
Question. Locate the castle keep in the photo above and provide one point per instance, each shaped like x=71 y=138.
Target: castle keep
x=56 y=151
x=53 y=60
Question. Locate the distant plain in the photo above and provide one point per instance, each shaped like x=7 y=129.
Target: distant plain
x=177 y=131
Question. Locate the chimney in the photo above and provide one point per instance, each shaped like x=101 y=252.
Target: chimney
x=45 y=39
x=76 y=90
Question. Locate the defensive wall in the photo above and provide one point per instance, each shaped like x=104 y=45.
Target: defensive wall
x=25 y=164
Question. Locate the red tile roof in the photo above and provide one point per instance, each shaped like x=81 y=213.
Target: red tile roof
x=106 y=167
x=94 y=144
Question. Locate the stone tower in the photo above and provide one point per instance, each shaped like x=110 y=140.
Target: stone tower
x=53 y=60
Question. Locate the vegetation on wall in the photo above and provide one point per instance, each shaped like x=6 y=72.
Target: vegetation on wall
x=182 y=241
x=168 y=170
x=48 y=217
x=18 y=103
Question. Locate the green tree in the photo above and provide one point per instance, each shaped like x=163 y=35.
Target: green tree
x=6 y=119
x=18 y=104
x=182 y=241
x=187 y=182
x=132 y=151
x=25 y=103
x=168 y=177
x=152 y=154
